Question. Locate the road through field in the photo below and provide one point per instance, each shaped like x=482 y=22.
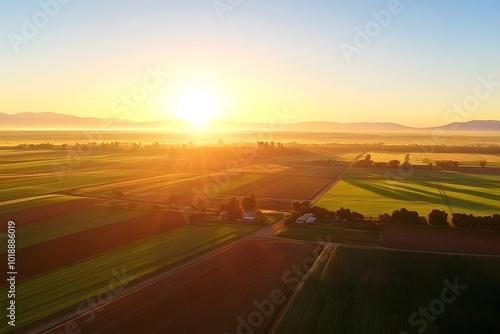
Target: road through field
x=334 y=182
x=264 y=232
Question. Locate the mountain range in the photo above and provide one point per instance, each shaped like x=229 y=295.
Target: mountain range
x=54 y=121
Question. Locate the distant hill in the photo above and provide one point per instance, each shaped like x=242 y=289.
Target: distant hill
x=54 y=121
x=347 y=127
x=50 y=121
x=472 y=126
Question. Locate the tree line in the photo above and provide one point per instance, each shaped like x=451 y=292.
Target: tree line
x=421 y=148
x=436 y=217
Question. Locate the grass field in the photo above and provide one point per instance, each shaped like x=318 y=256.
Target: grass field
x=340 y=234
x=468 y=159
x=74 y=222
x=46 y=184
x=375 y=191
x=32 y=202
x=376 y=291
x=43 y=295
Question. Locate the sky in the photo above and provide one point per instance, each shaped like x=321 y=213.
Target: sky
x=417 y=63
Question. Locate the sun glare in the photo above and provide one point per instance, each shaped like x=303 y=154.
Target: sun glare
x=198 y=106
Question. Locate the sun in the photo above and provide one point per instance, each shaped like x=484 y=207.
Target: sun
x=198 y=106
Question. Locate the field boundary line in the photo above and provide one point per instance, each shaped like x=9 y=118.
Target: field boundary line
x=443 y=194
x=279 y=317
x=413 y=250
x=334 y=181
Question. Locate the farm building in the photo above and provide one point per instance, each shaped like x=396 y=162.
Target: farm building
x=311 y=220
x=249 y=216
x=304 y=218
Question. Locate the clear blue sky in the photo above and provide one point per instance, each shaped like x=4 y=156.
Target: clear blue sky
x=263 y=55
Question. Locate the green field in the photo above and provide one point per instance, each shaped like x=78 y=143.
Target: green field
x=371 y=291
x=375 y=191
x=49 y=183
x=338 y=234
x=464 y=159
x=74 y=222
x=32 y=202
x=54 y=291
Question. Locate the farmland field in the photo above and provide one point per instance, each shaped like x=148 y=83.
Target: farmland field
x=378 y=291
x=333 y=233
x=18 y=206
x=375 y=191
x=284 y=186
x=206 y=297
x=62 y=224
x=424 y=238
x=48 y=293
x=469 y=159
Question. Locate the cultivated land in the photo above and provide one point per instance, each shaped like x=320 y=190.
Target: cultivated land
x=66 y=287
x=373 y=191
x=378 y=291
x=424 y=238
x=83 y=220
x=337 y=233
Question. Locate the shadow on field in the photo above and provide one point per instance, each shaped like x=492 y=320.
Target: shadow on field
x=481 y=194
x=426 y=196
x=399 y=195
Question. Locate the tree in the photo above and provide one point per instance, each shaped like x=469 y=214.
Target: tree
x=344 y=213
x=405 y=216
x=384 y=218
x=482 y=163
x=368 y=160
x=393 y=164
x=296 y=205
x=407 y=159
x=495 y=224
x=396 y=216
x=462 y=220
x=233 y=208
x=305 y=204
x=438 y=218
x=248 y=203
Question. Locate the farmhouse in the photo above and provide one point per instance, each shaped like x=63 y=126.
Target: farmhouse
x=311 y=220
x=249 y=216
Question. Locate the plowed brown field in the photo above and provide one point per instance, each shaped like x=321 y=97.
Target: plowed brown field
x=440 y=240
x=207 y=297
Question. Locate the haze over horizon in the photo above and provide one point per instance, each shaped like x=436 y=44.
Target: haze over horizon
x=260 y=57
